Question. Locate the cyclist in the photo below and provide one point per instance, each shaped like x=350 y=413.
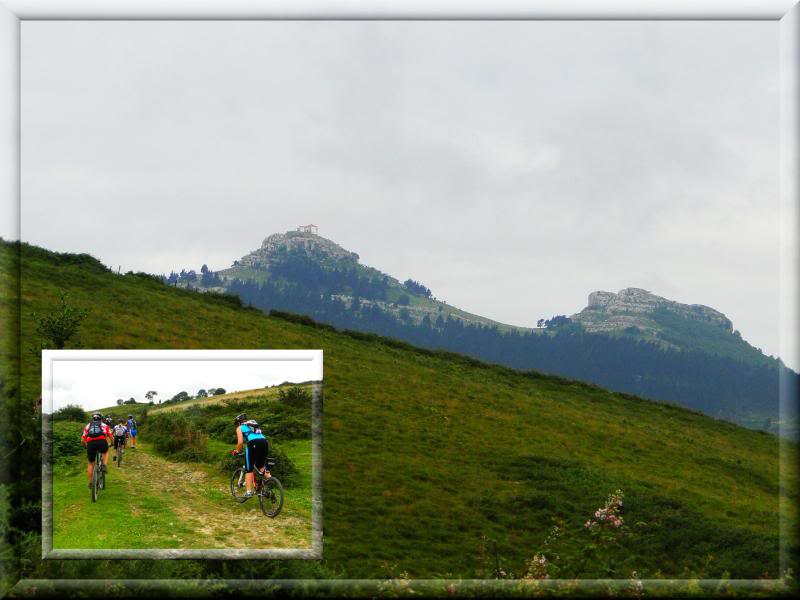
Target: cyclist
x=119 y=435
x=249 y=436
x=132 y=430
x=96 y=437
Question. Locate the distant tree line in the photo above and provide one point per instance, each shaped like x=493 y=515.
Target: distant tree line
x=182 y=396
x=190 y=278
x=417 y=288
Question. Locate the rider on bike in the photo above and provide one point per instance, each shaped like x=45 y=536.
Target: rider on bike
x=96 y=437
x=119 y=435
x=249 y=435
x=132 y=430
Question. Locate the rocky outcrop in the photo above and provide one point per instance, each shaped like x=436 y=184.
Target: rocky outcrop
x=635 y=307
x=314 y=245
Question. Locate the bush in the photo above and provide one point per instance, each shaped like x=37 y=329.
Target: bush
x=66 y=440
x=70 y=412
x=279 y=424
x=295 y=396
x=285 y=426
x=289 y=417
x=175 y=436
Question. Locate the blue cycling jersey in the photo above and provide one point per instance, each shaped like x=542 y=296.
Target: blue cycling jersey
x=252 y=434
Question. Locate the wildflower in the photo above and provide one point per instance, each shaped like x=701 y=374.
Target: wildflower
x=537 y=568
x=608 y=513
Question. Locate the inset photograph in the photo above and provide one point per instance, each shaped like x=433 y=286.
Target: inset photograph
x=181 y=453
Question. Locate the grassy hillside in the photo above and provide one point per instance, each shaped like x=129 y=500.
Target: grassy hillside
x=438 y=465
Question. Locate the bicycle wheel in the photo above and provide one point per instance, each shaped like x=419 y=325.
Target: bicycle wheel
x=95 y=476
x=271 y=497
x=119 y=455
x=102 y=476
x=238 y=488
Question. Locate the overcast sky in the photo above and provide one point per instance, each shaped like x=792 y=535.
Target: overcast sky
x=513 y=167
x=94 y=384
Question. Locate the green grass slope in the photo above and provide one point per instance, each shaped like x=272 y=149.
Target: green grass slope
x=153 y=502
x=439 y=465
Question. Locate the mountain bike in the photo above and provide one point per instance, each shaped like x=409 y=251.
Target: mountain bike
x=120 y=451
x=268 y=489
x=98 y=477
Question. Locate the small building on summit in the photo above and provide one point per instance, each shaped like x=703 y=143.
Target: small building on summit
x=308 y=229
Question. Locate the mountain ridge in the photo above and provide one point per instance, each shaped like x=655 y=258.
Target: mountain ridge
x=632 y=311
x=632 y=341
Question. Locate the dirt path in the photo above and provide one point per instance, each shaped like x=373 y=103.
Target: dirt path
x=203 y=505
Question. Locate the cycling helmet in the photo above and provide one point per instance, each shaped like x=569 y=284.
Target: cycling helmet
x=130 y=416
x=121 y=420
x=240 y=418
x=96 y=417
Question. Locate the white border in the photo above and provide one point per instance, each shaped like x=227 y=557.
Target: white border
x=785 y=11
x=400 y=9
x=273 y=356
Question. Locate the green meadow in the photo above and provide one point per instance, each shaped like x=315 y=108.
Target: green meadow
x=436 y=465
x=153 y=502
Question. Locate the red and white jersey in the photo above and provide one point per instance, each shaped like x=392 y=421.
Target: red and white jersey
x=106 y=432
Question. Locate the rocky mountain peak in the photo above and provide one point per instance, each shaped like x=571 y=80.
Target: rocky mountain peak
x=313 y=244
x=607 y=311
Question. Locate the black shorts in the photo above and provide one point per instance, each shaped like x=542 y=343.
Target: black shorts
x=95 y=446
x=255 y=455
x=119 y=440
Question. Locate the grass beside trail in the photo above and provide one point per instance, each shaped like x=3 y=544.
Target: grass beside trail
x=151 y=502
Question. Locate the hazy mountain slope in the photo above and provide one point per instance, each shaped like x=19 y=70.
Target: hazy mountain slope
x=632 y=341
x=268 y=262
x=430 y=459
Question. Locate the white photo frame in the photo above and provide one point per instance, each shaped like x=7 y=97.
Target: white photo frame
x=313 y=364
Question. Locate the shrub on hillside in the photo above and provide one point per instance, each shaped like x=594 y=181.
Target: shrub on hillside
x=66 y=440
x=175 y=436
x=279 y=425
x=287 y=426
x=295 y=396
x=70 y=412
x=278 y=420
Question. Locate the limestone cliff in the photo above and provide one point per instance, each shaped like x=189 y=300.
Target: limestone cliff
x=608 y=312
